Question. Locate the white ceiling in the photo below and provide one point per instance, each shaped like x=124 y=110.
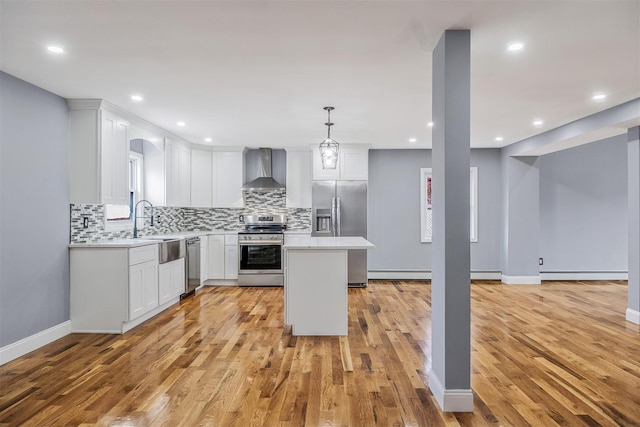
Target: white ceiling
x=258 y=73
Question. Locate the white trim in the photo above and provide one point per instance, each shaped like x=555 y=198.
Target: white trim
x=453 y=400
x=399 y=275
x=584 y=275
x=220 y=282
x=426 y=275
x=486 y=275
x=34 y=342
x=521 y=280
x=633 y=316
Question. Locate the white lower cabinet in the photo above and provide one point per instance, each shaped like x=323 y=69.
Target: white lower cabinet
x=171 y=280
x=231 y=262
x=216 y=256
x=114 y=289
x=222 y=256
x=143 y=288
x=204 y=259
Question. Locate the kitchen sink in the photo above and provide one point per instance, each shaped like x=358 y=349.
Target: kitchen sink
x=170 y=249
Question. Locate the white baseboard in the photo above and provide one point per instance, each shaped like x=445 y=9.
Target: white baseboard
x=453 y=400
x=521 y=280
x=399 y=275
x=584 y=275
x=34 y=342
x=633 y=316
x=220 y=282
x=425 y=275
x=486 y=275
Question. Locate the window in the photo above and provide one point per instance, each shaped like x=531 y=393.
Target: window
x=121 y=216
x=426 y=213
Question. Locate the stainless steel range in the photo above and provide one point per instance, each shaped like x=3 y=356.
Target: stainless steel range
x=260 y=249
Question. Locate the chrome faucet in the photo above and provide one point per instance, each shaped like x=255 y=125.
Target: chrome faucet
x=135 y=217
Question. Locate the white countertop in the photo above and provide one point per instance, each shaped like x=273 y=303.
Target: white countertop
x=116 y=243
x=343 y=242
x=146 y=240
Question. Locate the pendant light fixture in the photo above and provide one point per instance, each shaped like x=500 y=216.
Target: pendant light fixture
x=329 y=147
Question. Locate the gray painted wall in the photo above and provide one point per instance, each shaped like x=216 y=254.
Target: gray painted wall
x=633 y=187
x=583 y=207
x=521 y=217
x=394 y=210
x=34 y=210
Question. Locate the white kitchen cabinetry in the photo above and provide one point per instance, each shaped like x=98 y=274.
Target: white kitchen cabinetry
x=177 y=174
x=143 y=288
x=231 y=256
x=201 y=179
x=222 y=257
x=216 y=256
x=167 y=174
x=99 y=153
x=114 y=289
x=299 y=177
x=115 y=159
x=204 y=259
x=353 y=165
x=171 y=280
x=228 y=174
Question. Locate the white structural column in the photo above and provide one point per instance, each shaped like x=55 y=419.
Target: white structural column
x=521 y=224
x=450 y=376
x=633 y=308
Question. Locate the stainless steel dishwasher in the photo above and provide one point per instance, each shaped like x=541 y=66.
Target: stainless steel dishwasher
x=192 y=266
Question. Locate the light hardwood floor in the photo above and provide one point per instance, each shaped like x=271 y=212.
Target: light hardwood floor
x=559 y=354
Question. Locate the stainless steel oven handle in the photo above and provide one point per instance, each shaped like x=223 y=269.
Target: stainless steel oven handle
x=261 y=243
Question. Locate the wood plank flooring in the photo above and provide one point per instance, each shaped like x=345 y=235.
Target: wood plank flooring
x=559 y=354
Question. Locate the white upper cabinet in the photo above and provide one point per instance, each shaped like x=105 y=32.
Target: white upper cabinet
x=228 y=173
x=115 y=160
x=167 y=173
x=299 y=177
x=353 y=165
x=201 y=179
x=177 y=173
x=99 y=154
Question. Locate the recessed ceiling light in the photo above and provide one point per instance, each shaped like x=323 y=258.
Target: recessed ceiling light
x=412 y=140
x=499 y=138
x=181 y=124
x=137 y=98
x=208 y=140
x=599 y=97
x=154 y=139
x=55 y=49
x=515 y=46
x=430 y=124
x=538 y=122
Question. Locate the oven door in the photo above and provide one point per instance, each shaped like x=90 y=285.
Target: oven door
x=263 y=257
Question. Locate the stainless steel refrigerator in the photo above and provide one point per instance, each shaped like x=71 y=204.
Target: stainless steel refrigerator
x=339 y=208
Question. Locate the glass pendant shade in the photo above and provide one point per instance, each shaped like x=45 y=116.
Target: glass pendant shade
x=329 y=153
x=329 y=147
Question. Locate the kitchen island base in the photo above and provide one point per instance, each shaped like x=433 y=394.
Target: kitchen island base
x=316 y=292
x=316 y=284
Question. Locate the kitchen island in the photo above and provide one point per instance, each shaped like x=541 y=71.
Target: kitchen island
x=315 y=283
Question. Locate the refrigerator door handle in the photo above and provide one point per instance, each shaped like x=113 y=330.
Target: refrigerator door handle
x=333 y=216
x=338 y=229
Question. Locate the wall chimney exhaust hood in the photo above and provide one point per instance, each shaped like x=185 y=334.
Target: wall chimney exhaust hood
x=265 y=182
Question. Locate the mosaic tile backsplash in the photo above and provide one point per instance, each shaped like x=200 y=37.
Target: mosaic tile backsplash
x=173 y=219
